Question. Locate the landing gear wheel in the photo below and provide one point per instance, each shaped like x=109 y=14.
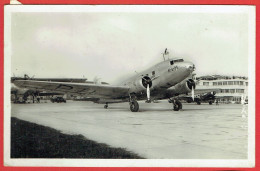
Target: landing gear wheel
x=177 y=105
x=106 y=106
x=198 y=102
x=189 y=101
x=210 y=102
x=134 y=106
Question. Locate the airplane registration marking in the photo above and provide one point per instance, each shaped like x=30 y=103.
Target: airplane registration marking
x=174 y=68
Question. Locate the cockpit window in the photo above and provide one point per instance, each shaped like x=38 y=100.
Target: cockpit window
x=178 y=60
x=171 y=62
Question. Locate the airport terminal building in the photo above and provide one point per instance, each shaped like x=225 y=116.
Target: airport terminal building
x=231 y=87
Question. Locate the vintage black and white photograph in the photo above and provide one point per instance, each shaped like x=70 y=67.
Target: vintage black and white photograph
x=155 y=85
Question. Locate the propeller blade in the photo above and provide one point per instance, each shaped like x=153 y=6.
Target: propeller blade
x=192 y=93
x=145 y=79
x=148 y=92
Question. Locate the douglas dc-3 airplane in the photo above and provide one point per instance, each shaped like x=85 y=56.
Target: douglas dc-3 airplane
x=165 y=80
x=207 y=97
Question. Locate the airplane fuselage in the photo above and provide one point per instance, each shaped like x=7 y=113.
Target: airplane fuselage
x=161 y=76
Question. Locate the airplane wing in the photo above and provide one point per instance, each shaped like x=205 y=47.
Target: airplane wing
x=203 y=91
x=81 y=89
x=49 y=93
x=200 y=92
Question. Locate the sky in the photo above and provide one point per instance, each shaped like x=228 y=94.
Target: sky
x=113 y=45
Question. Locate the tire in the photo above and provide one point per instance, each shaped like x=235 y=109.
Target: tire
x=210 y=102
x=198 y=102
x=106 y=106
x=134 y=106
x=177 y=105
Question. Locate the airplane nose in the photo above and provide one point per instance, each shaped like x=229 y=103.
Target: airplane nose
x=190 y=66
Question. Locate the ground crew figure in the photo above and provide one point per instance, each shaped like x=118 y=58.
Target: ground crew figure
x=38 y=99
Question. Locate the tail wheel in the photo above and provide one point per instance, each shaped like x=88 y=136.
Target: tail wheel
x=177 y=105
x=134 y=106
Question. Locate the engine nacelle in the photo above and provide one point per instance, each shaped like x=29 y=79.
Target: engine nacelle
x=140 y=84
x=183 y=87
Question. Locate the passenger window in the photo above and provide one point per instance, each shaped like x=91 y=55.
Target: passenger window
x=171 y=62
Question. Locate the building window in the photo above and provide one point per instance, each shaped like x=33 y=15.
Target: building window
x=226 y=90
x=241 y=83
x=206 y=83
x=224 y=82
x=219 y=83
x=232 y=90
x=240 y=90
x=236 y=82
x=230 y=83
x=236 y=99
x=246 y=83
x=215 y=83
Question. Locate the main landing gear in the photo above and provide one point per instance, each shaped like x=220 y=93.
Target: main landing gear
x=134 y=106
x=106 y=106
x=177 y=105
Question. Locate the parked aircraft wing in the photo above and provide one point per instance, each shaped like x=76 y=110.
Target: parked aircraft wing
x=203 y=91
x=200 y=92
x=187 y=97
x=82 y=89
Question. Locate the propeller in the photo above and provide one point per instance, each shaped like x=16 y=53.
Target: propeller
x=147 y=82
x=191 y=84
x=192 y=93
x=148 y=93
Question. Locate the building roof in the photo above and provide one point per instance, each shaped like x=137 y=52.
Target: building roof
x=220 y=77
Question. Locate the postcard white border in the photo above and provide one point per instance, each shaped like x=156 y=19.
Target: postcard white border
x=250 y=10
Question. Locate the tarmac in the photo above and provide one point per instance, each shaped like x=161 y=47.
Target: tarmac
x=155 y=132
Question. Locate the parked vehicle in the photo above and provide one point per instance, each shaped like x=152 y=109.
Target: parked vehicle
x=58 y=100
